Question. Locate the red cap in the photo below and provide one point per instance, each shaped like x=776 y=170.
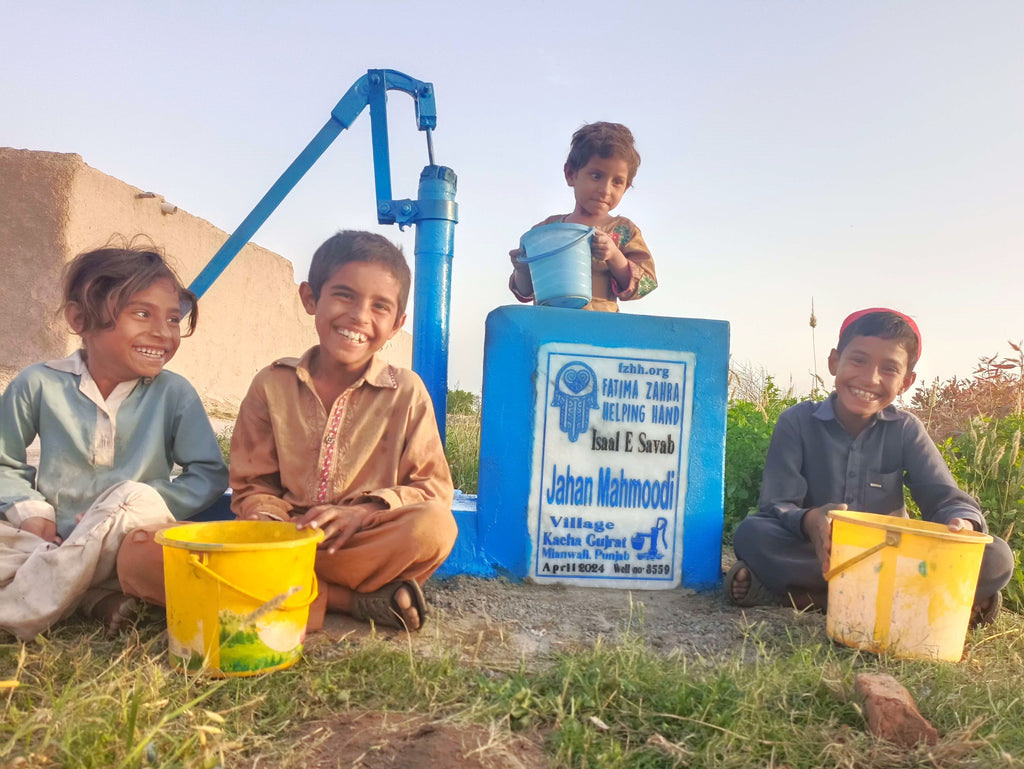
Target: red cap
x=861 y=313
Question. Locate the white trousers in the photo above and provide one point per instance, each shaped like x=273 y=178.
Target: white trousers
x=41 y=582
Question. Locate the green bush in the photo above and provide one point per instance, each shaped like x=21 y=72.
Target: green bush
x=977 y=423
x=749 y=429
x=986 y=461
x=463 y=402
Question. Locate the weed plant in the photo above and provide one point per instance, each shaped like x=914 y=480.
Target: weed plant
x=977 y=424
x=986 y=461
x=85 y=701
x=462 y=448
x=224 y=442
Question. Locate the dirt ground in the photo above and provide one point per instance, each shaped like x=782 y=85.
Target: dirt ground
x=495 y=619
x=393 y=740
x=498 y=623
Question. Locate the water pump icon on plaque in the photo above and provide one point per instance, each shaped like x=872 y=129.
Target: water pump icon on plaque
x=609 y=469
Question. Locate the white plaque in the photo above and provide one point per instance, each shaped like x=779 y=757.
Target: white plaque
x=610 y=465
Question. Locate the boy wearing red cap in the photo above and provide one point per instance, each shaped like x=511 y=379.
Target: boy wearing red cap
x=854 y=451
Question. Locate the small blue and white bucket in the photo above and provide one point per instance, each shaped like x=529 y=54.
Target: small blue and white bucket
x=559 y=259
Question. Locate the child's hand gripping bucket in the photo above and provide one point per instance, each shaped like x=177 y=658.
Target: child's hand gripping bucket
x=901 y=586
x=238 y=594
x=559 y=259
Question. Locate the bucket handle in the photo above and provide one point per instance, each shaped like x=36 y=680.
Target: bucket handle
x=524 y=259
x=892 y=539
x=304 y=602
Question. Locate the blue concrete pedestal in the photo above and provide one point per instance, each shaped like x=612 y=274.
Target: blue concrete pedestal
x=602 y=451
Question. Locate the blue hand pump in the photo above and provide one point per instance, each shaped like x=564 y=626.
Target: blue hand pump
x=434 y=213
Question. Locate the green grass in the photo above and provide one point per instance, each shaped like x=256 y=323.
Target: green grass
x=85 y=701
x=224 y=441
x=462 y=447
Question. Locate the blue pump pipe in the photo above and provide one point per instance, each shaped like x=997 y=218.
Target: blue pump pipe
x=435 y=233
x=434 y=213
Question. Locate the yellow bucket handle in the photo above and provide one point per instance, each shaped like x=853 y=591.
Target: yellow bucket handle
x=304 y=602
x=892 y=539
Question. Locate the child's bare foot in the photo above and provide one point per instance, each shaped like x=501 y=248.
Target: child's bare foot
x=403 y=602
x=743 y=588
x=116 y=612
x=740 y=585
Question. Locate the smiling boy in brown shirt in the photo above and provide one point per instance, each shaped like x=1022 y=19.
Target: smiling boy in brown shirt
x=342 y=441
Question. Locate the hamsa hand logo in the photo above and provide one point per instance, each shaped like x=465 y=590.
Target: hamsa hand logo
x=575 y=396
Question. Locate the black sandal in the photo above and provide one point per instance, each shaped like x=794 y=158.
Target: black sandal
x=381 y=608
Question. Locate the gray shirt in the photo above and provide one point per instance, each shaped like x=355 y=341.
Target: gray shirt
x=813 y=461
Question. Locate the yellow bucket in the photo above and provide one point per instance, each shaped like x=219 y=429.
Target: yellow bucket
x=238 y=594
x=901 y=586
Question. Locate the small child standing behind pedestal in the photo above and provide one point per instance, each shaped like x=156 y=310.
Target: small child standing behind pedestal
x=601 y=166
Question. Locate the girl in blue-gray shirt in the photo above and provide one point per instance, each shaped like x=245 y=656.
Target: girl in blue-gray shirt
x=111 y=425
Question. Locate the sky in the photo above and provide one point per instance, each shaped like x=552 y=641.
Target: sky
x=853 y=154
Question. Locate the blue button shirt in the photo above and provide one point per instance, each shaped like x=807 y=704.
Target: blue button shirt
x=813 y=461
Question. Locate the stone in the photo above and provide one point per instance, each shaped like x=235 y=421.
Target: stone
x=891 y=712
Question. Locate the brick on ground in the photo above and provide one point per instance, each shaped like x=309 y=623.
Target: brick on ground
x=891 y=712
